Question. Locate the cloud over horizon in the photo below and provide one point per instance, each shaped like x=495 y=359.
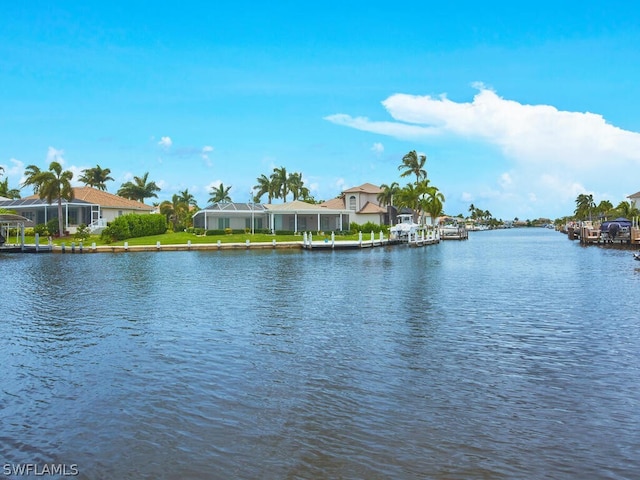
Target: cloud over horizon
x=551 y=152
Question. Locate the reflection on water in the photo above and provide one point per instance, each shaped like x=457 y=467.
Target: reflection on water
x=511 y=355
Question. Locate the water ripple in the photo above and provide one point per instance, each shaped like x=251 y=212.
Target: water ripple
x=512 y=355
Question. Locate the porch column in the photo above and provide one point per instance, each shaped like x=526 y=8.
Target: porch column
x=318 y=222
x=295 y=222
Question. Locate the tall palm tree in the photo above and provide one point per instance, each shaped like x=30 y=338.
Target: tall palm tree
x=220 y=194
x=264 y=186
x=281 y=183
x=32 y=175
x=139 y=189
x=296 y=184
x=413 y=164
x=96 y=177
x=55 y=184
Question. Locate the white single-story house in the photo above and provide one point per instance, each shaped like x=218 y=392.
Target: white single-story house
x=236 y=216
x=296 y=216
x=89 y=206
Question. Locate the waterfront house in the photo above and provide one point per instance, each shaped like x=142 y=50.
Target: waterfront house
x=89 y=206
x=236 y=216
x=362 y=204
x=296 y=216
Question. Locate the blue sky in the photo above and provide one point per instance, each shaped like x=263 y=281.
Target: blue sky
x=519 y=107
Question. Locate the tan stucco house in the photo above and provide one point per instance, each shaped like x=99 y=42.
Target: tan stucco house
x=362 y=204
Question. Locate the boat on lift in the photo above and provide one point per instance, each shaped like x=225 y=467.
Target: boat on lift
x=405 y=227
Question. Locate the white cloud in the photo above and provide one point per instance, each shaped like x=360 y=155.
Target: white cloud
x=466 y=197
x=16 y=168
x=377 y=148
x=165 y=142
x=505 y=180
x=54 y=155
x=206 y=150
x=214 y=184
x=553 y=153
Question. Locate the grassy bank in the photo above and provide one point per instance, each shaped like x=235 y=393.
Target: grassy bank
x=182 y=238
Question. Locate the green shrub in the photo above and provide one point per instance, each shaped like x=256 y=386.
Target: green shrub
x=210 y=233
x=133 y=225
x=52 y=226
x=367 y=228
x=82 y=233
x=41 y=229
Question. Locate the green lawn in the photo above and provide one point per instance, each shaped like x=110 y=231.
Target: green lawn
x=182 y=238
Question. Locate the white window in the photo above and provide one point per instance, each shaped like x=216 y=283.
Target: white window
x=352 y=202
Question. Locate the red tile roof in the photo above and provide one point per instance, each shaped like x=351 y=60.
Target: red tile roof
x=104 y=199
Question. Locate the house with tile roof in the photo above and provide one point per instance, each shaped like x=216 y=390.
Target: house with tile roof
x=362 y=204
x=90 y=206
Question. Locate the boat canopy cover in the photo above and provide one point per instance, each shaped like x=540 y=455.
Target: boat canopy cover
x=620 y=221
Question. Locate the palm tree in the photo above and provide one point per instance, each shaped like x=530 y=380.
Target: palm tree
x=187 y=198
x=220 y=194
x=32 y=175
x=627 y=210
x=604 y=207
x=166 y=209
x=55 y=184
x=408 y=197
x=584 y=205
x=413 y=164
x=281 y=183
x=265 y=185
x=385 y=197
x=7 y=192
x=296 y=185
x=139 y=189
x=96 y=177
x=434 y=203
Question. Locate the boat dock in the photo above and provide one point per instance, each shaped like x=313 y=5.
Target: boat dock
x=419 y=239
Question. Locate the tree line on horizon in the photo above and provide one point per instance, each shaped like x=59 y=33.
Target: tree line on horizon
x=54 y=184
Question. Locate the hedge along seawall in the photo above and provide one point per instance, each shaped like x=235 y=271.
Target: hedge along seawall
x=133 y=225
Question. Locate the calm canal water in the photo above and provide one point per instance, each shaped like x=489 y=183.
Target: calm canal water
x=515 y=354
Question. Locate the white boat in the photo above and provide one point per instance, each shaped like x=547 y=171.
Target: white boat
x=405 y=226
x=449 y=229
